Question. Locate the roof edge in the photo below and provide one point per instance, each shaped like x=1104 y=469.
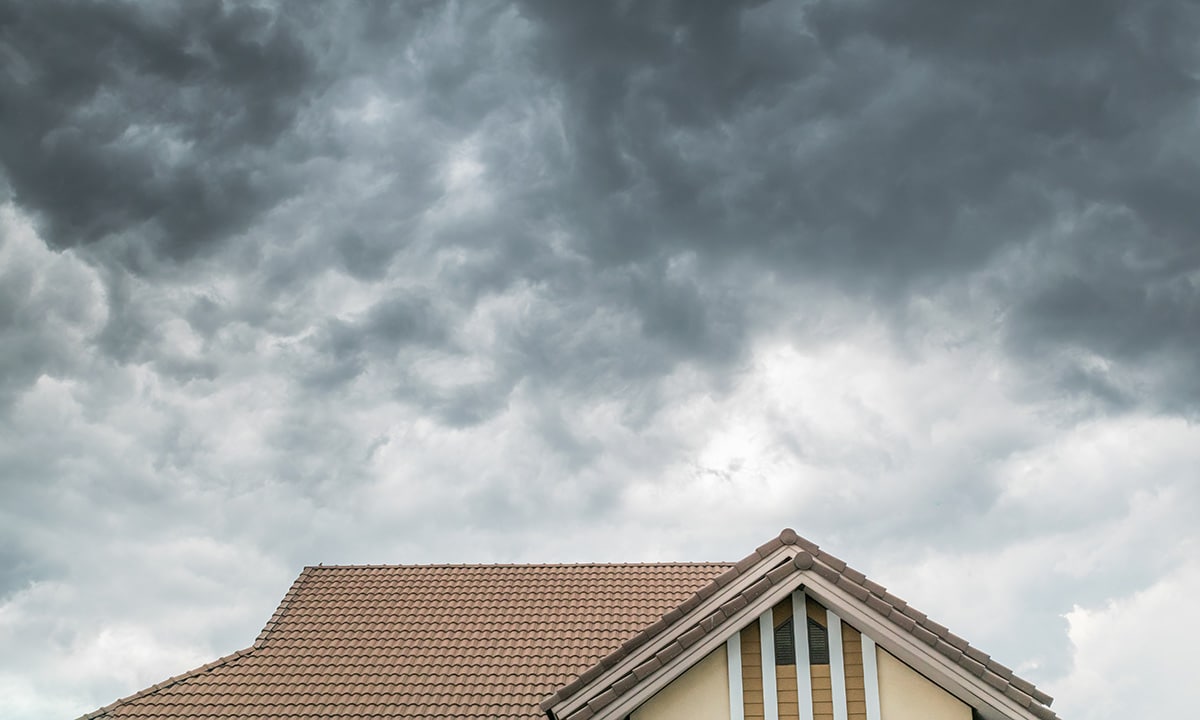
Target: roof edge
x=671 y=618
x=223 y=660
x=924 y=643
x=283 y=606
x=173 y=680
x=590 y=693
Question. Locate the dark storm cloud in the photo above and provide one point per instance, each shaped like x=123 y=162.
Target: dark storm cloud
x=322 y=281
x=740 y=131
x=884 y=151
x=164 y=123
x=343 y=348
x=892 y=148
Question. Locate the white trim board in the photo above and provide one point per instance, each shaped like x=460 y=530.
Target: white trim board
x=677 y=666
x=733 y=659
x=870 y=677
x=837 y=664
x=803 y=665
x=991 y=703
x=770 y=685
x=785 y=553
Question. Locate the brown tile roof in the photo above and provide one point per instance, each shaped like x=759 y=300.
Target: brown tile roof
x=491 y=641
x=428 y=641
x=808 y=558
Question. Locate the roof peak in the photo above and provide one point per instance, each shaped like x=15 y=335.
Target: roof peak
x=742 y=591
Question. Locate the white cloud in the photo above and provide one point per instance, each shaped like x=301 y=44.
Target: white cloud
x=1135 y=656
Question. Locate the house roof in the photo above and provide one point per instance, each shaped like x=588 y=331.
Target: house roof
x=429 y=641
x=709 y=611
x=475 y=641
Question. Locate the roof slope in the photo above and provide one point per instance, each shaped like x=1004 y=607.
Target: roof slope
x=681 y=628
x=429 y=641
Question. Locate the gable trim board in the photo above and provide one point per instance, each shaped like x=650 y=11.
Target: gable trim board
x=804 y=695
x=649 y=661
x=733 y=655
x=656 y=647
x=988 y=693
x=837 y=665
x=766 y=633
x=871 y=677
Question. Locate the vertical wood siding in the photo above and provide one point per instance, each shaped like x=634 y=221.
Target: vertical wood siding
x=752 y=686
x=856 y=692
x=822 y=688
x=816 y=610
x=785 y=675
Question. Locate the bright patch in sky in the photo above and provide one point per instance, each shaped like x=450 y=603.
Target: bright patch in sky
x=284 y=284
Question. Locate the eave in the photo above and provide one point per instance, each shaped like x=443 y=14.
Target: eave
x=648 y=662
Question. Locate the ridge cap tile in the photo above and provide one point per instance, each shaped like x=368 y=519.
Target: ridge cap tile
x=833 y=562
x=768 y=547
x=875 y=588
x=746 y=563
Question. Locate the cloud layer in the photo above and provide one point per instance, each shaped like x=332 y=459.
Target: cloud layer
x=284 y=284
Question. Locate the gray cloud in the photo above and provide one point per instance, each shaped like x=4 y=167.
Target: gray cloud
x=164 y=124
x=292 y=283
x=892 y=149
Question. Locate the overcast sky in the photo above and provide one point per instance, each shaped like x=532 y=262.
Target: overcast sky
x=546 y=281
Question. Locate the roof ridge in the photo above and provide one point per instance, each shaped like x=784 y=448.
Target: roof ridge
x=651 y=563
x=173 y=680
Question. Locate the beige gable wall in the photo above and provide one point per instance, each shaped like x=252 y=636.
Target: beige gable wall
x=856 y=681
x=752 y=677
x=904 y=694
x=701 y=693
x=786 y=683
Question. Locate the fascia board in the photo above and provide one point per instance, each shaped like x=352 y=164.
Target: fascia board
x=698 y=613
x=694 y=654
x=991 y=704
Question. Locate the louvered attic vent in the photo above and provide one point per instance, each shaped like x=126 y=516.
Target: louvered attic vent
x=818 y=643
x=785 y=644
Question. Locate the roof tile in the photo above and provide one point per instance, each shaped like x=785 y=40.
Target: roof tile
x=645 y=669
x=369 y=639
x=769 y=547
x=924 y=635
x=879 y=606
x=873 y=587
x=973 y=667
x=378 y=640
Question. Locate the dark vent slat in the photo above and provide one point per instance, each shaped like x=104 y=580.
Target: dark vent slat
x=785 y=644
x=818 y=643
